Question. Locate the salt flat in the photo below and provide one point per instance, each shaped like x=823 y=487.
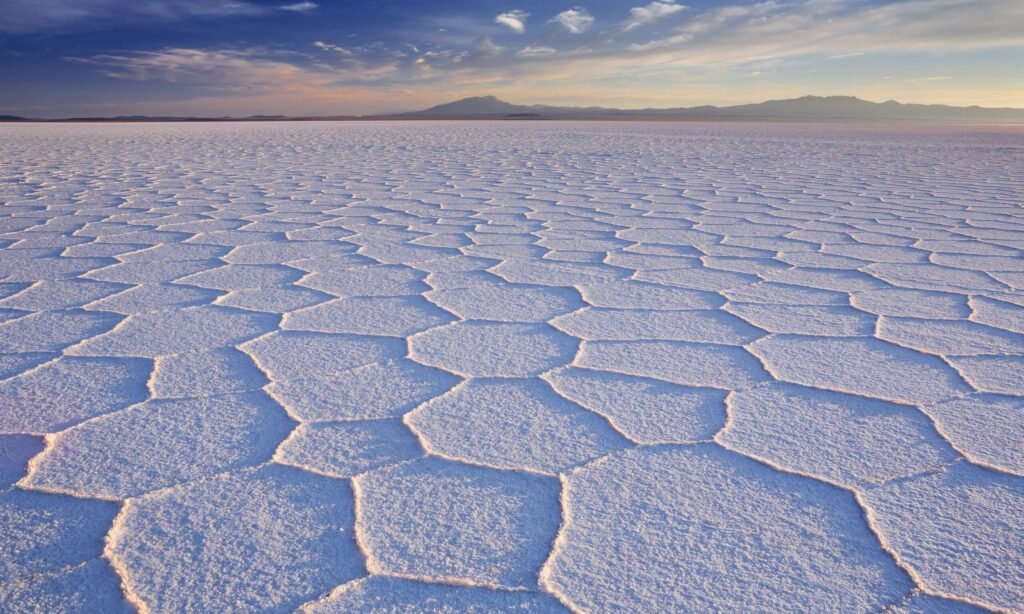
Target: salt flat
x=482 y=367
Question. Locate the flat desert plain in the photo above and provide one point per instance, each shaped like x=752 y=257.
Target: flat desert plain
x=511 y=366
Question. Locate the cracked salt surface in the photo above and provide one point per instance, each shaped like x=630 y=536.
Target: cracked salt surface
x=511 y=367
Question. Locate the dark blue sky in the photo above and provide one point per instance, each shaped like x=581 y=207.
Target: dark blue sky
x=73 y=57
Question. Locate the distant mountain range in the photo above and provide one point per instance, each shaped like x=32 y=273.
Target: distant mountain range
x=806 y=108
x=810 y=108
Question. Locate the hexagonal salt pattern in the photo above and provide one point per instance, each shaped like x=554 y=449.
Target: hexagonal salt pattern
x=268 y=538
x=485 y=367
x=646 y=522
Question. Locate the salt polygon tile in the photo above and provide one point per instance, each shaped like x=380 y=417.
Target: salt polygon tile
x=159 y=444
x=957 y=529
x=268 y=538
x=650 y=526
x=645 y=410
x=508 y=521
x=840 y=438
x=488 y=349
x=473 y=423
x=867 y=367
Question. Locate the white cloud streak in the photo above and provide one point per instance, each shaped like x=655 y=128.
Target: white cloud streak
x=535 y=51
x=300 y=7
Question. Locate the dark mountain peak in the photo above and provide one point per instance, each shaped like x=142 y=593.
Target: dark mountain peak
x=475 y=105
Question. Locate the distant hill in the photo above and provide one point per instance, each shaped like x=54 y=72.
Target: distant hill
x=490 y=105
x=805 y=108
x=477 y=105
x=819 y=108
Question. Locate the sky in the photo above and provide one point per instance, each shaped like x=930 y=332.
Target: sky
x=62 y=58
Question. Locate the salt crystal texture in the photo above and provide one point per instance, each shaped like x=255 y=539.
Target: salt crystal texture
x=485 y=366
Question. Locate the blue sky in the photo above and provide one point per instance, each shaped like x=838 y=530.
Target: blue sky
x=239 y=57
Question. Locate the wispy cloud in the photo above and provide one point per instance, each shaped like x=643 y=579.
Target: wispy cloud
x=577 y=20
x=773 y=28
x=513 y=20
x=535 y=51
x=655 y=11
x=244 y=70
x=25 y=16
x=300 y=7
x=344 y=51
x=253 y=70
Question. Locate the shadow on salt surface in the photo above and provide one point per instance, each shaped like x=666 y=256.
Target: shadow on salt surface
x=999 y=374
x=15 y=452
x=45 y=533
x=41 y=269
x=70 y=390
x=91 y=587
x=12 y=365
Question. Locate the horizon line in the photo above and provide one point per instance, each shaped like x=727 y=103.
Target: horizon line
x=418 y=114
